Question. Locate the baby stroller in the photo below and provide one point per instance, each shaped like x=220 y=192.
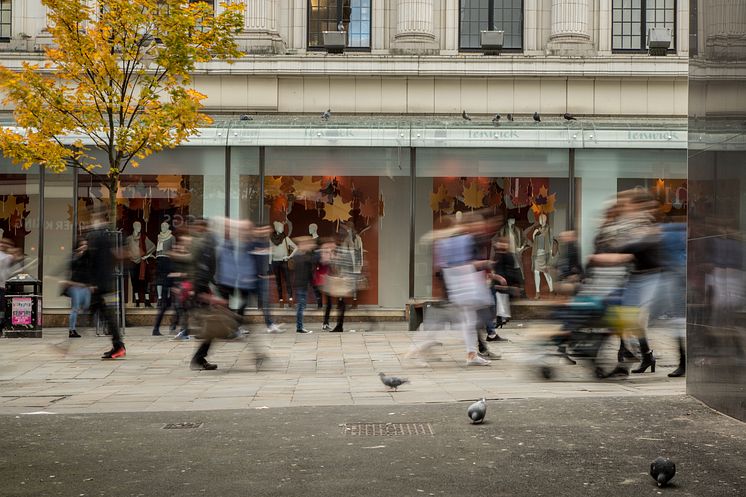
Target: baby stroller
x=587 y=324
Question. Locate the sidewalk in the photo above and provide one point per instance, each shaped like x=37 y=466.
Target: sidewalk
x=61 y=375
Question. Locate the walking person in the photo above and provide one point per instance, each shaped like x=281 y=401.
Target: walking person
x=305 y=263
x=204 y=266
x=259 y=249
x=77 y=287
x=467 y=288
x=101 y=278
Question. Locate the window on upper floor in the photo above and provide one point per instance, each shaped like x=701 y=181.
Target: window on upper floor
x=325 y=15
x=631 y=20
x=6 y=10
x=487 y=15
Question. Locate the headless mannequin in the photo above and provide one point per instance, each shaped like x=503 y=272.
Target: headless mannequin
x=282 y=248
x=541 y=241
x=162 y=259
x=354 y=243
x=141 y=249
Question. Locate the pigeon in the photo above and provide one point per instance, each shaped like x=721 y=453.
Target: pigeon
x=537 y=117
x=465 y=115
x=392 y=381
x=497 y=118
x=510 y=117
x=662 y=470
x=477 y=411
x=326 y=114
x=569 y=117
x=340 y=26
x=246 y=117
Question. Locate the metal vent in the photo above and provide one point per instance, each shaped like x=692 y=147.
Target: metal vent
x=387 y=429
x=182 y=426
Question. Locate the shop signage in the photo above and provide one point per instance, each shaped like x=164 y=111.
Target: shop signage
x=21 y=311
x=651 y=136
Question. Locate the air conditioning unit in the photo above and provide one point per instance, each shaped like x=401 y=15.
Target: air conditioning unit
x=334 y=41
x=491 y=42
x=659 y=41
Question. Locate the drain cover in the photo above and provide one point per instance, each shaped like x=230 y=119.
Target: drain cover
x=387 y=429
x=182 y=426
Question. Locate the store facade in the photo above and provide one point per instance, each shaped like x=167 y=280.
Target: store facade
x=390 y=182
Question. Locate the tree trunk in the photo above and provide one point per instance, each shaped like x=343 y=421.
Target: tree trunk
x=113 y=189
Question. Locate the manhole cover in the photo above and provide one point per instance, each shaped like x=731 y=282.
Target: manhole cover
x=182 y=426
x=387 y=429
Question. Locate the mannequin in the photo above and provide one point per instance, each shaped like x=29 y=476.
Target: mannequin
x=354 y=244
x=514 y=237
x=163 y=260
x=313 y=231
x=282 y=249
x=541 y=242
x=140 y=249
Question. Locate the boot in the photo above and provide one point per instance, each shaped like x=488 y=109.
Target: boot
x=681 y=370
x=648 y=361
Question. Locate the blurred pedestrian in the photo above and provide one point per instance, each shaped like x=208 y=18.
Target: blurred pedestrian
x=101 y=278
x=259 y=248
x=77 y=286
x=204 y=258
x=339 y=282
x=506 y=281
x=673 y=296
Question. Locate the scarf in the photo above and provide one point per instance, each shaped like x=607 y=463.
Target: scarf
x=277 y=238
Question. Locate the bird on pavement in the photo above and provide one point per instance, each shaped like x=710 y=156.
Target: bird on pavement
x=662 y=470
x=569 y=117
x=497 y=118
x=477 y=411
x=326 y=114
x=392 y=381
x=465 y=116
x=510 y=117
x=246 y=117
x=537 y=117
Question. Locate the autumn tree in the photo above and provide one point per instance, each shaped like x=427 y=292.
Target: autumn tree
x=119 y=75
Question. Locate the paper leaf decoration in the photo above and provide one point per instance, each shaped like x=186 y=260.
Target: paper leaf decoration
x=183 y=198
x=168 y=183
x=473 y=196
x=11 y=207
x=438 y=197
x=368 y=209
x=272 y=186
x=338 y=211
x=543 y=203
x=280 y=203
x=307 y=189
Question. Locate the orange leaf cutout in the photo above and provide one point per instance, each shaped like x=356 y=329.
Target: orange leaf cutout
x=473 y=196
x=168 y=182
x=368 y=209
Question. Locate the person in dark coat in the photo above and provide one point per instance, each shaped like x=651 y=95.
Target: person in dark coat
x=101 y=278
x=305 y=264
x=77 y=286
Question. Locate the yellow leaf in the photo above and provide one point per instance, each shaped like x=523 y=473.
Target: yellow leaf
x=338 y=211
x=273 y=186
x=438 y=197
x=168 y=183
x=307 y=189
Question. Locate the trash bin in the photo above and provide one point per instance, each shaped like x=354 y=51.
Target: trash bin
x=23 y=309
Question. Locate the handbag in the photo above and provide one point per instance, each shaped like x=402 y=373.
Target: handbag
x=216 y=321
x=466 y=286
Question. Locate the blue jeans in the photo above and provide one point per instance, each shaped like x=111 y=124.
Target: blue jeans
x=80 y=300
x=300 y=301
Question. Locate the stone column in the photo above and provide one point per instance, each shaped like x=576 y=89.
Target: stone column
x=260 y=35
x=725 y=26
x=570 y=32
x=414 y=28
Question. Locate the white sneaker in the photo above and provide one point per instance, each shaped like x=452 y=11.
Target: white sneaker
x=477 y=361
x=275 y=329
x=326 y=327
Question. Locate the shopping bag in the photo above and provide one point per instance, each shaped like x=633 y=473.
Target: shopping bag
x=339 y=286
x=466 y=286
